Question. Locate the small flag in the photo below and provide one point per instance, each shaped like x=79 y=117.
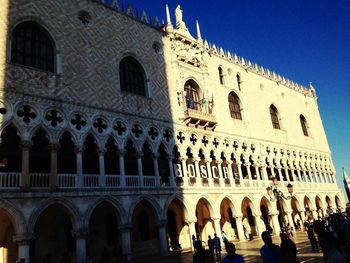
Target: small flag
x=212 y=103
x=203 y=101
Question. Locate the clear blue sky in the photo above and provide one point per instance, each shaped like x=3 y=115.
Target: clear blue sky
x=301 y=40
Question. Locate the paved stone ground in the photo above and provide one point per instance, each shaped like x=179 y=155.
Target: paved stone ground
x=251 y=252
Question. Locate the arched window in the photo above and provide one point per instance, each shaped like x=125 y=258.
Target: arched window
x=131 y=76
x=238 y=78
x=235 y=108
x=221 y=76
x=32 y=46
x=304 y=125
x=192 y=98
x=274 y=117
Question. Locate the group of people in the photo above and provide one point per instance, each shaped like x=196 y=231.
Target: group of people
x=331 y=235
x=213 y=253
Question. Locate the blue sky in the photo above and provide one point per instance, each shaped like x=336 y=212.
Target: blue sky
x=301 y=40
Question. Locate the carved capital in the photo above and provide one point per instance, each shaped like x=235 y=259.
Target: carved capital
x=125 y=228
x=53 y=147
x=155 y=155
x=122 y=152
x=26 y=145
x=80 y=233
x=162 y=223
x=23 y=239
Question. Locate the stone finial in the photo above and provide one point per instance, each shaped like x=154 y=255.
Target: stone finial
x=236 y=59
x=144 y=17
x=243 y=62
x=199 y=37
x=229 y=57
x=156 y=22
x=178 y=15
x=169 y=26
x=130 y=11
x=222 y=53
x=215 y=51
x=206 y=45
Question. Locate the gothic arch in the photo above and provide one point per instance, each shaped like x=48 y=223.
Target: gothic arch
x=70 y=208
x=212 y=206
x=150 y=200
x=110 y=200
x=182 y=201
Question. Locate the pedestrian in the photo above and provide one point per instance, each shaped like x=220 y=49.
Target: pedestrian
x=201 y=255
x=217 y=247
x=194 y=242
x=330 y=252
x=232 y=257
x=211 y=246
x=312 y=238
x=289 y=251
x=270 y=253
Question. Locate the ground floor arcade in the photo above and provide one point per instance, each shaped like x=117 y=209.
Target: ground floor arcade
x=72 y=229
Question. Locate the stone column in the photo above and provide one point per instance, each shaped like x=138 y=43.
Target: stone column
x=302 y=215
x=198 y=174
x=217 y=227
x=126 y=241
x=80 y=241
x=260 y=224
x=238 y=163
x=257 y=172
x=25 y=180
x=122 y=168
x=230 y=172
x=248 y=170
x=156 y=168
x=290 y=217
x=139 y=155
x=53 y=165
x=101 y=162
x=171 y=170
x=275 y=222
x=240 y=229
x=163 y=237
x=184 y=169
x=23 y=242
x=80 y=176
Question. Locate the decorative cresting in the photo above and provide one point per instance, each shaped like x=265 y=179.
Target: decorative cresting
x=78 y=121
x=54 y=118
x=27 y=114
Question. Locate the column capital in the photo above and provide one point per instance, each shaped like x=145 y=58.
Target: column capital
x=189 y=222
x=101 y=151
x=238 y=216
x=26 y=144
x=183 y=158
x=80 y=233
x=78 y=148
x=170 y=157
x=54 y=147
x=216 y=218
x=155 y=155
x=162 y=223
x=121 y=152
x=23 y=239
x=139 y=154
x=125 y=228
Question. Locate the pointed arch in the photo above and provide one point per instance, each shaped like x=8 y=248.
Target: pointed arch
x=304 y=125
x=234 y=106
x=16 y=216
x=275 y=119
x=132 y=76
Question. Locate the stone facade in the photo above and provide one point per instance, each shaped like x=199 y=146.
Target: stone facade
x=191 y=171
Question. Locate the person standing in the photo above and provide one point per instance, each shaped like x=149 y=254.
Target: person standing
x=224 y=238
x=312 y=238
x=211 y=246
x=270 y=253
x=217 y=247
x=232 y=257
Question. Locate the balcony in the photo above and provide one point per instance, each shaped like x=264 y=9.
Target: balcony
x=200 y=119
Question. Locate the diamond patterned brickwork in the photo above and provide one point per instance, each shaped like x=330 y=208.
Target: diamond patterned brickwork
x=90 y=56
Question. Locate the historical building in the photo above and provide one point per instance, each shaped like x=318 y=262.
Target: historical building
x=346 y=182
x=122 y=136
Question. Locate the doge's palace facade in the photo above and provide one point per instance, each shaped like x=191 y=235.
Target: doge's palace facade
x=125 y=137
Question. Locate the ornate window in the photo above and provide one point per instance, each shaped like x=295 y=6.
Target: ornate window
x=274 y=117
x=32 y=46
x=192 y=98
x=131 y=76
x=234 y=105
x=304 y=125
x=221 y=76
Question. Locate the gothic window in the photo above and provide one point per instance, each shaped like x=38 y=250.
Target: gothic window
x=132 y=76
x=192 y=98
x=238 y=78
x=221 y=76
x=274 y=117
x=304 y=125
x=235 y=108
x=32 y=46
